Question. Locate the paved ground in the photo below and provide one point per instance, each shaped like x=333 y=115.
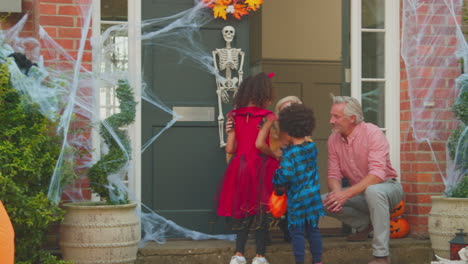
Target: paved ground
x=336 y=251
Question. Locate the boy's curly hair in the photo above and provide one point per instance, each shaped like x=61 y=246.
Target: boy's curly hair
x=297 y=120
x=257 y=89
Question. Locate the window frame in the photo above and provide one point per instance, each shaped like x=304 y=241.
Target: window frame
x=135 y=80
x=392 y=70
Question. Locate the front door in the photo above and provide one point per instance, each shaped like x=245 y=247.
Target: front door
x=182 y=168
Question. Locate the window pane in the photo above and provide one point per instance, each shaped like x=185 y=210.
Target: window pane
x=373 y=13
x=115 y=51
x=373 y=102
x=373 y=55
x=114 y=10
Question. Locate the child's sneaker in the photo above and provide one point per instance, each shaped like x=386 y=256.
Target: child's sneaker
x=259 y=260
x=238 y=260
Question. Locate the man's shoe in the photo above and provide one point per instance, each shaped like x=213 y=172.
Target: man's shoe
x=380 y=260
x=360 y=235
x=259 y=260
x=238 y=260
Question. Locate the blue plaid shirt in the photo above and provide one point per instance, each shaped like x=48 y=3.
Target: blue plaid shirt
x=298 y=172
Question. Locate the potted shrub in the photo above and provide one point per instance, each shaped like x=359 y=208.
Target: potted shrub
x=450 y=212
x=107 y=231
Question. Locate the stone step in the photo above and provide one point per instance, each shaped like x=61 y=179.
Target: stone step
x=336 y=250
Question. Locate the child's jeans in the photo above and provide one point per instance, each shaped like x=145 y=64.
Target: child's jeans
x=298 y=235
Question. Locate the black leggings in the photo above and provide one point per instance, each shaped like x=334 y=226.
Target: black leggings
x=242 y=226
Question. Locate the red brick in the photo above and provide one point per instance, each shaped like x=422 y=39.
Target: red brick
x=454 y=21
x=406 y=187
x=435 y=40
x=62 y=21
x=431 y=20
x=69 y=32
x=424 y=167
x=444 y=51
x=404 y=85
x=452 y=41
x=421 y=72
x=423 y=9
x=67 y=44
x=424 y=50
x=403 y=75
x=52 y=31
x=47 y=9
x=444 y=30
x=69 y=10
x=424 y=156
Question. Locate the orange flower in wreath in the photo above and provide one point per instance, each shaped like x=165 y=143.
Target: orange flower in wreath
x=237 y=8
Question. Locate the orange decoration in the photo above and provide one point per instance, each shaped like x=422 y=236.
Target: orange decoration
x=237 y=8
x=7 y=238
x=240 y=11
x=399 y=228
x=398 y=210
x=278 y=204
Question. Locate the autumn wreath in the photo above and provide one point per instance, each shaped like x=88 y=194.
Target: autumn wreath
x=237 y=8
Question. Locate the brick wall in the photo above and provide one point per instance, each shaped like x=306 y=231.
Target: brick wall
x=420 y=173
x=62 y=20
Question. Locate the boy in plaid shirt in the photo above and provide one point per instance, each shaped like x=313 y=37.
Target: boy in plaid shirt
x=298 y=175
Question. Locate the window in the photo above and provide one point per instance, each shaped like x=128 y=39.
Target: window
x=113 y=57
x=375 y=57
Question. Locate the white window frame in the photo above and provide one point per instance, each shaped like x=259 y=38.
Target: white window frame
x=135 y=79
x=392 y=69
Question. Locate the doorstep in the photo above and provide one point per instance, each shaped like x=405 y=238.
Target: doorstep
x=336 y=250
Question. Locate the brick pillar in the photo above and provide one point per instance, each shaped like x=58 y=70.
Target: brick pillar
x=420 y=173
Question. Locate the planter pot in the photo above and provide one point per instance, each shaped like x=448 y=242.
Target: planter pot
x=96 y=233
x=446 y=216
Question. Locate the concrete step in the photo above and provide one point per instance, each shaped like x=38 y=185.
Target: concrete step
x=336 y=250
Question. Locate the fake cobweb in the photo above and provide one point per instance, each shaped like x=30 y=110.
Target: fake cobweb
x=434 y=51
x=67 y=90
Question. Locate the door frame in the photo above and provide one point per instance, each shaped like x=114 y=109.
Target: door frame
x=392 y=87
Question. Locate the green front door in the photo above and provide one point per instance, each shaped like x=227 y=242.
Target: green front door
x=183 y=167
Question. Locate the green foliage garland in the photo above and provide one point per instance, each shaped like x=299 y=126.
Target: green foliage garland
x=116 y=158
x=28 y=154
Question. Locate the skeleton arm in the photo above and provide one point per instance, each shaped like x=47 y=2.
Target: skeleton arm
x=240 y=72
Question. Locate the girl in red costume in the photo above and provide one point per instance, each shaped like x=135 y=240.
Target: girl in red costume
x=247 y=183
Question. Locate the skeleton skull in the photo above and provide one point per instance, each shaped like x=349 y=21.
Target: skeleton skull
x=228 y=33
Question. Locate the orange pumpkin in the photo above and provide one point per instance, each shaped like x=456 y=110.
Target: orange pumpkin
x=278 y=204
x=398 y=210
x=399 y=228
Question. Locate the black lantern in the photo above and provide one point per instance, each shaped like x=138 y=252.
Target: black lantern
x=457 y=244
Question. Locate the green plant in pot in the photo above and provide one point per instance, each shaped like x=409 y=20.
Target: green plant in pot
x=458 y=144
x=119 y=148
x=448 y=213
x=106 y=231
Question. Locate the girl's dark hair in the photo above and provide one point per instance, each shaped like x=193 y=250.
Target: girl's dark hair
x=297 y=120
x=257 y=89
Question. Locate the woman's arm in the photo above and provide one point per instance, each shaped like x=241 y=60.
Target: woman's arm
x=260 y=142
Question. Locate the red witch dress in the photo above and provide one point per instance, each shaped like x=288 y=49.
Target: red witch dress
x=247 y=183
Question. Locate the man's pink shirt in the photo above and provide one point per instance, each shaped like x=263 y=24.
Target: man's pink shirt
x=365 y=152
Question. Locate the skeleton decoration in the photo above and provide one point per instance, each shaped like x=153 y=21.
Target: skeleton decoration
x=229 y=60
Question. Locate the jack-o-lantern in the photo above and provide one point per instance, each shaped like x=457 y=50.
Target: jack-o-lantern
x=399 y=228
x=397 y=210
